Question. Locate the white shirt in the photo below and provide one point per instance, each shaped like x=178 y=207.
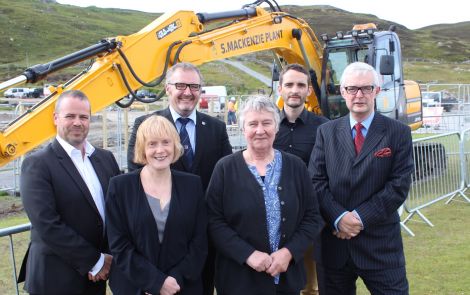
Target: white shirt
x=88 y=174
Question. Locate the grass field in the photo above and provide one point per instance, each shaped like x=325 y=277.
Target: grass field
x=437 y=258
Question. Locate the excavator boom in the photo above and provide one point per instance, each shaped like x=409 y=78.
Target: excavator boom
x=126 y=63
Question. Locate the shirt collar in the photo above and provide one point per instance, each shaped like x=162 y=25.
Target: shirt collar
x=69 y=149
x=302 y=117
x=175 y=115
x=366 y=123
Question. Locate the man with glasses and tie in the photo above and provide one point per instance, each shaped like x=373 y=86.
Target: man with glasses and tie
x=204 y=138
x=361 y=168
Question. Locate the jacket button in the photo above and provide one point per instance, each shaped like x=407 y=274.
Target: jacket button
x=283 y=236
x=283 y=219
x=279 y=188
x=282 y=203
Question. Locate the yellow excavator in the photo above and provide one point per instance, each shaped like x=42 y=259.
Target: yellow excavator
x=124 y=64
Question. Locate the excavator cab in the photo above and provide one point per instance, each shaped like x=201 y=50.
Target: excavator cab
x=380 y=49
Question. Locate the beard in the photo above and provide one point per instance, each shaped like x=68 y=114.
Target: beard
x=298 y=102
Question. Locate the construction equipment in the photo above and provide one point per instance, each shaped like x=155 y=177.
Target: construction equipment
x=399 y=99
x=124 y=64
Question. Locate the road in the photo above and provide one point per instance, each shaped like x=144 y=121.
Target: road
x=265 y=80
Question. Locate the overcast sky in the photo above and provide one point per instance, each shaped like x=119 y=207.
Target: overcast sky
x=412 y=14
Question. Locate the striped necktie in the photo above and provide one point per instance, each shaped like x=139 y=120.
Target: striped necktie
x=185 y=142
x=359 y=139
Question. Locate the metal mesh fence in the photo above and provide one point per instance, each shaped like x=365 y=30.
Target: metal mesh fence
x=437 y=172
x=466 y=156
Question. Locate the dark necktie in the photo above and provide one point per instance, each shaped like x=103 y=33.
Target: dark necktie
x=185 y=142
x=359 y=139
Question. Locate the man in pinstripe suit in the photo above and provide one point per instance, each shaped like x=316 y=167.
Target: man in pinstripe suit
x=362 y=174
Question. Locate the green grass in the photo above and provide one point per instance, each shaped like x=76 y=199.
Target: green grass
x=218 y=73
x=20 y=242
x=438 y=72
x=436 y=257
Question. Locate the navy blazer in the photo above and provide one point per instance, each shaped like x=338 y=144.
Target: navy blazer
x=238 y=226
x=67 y=234
x=141 y=262
x=212 y=143
x=373 y=184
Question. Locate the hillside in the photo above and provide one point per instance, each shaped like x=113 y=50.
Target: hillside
x=41 y=31
x=38 y=31
x=446 y=43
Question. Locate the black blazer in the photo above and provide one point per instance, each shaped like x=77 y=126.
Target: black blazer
x=237 y=225
x=372 y=185
x=141 y=262
x=212 y=143
x=67 y=234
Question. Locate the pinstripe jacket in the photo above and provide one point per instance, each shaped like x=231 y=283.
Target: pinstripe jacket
x=375 y=184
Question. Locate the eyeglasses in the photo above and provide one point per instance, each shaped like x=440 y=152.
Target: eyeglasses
x=183 y=86
x=355 y=89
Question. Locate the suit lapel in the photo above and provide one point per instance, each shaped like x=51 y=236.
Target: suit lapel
x=167 y=114
x=345 y=137
x=374 y=136
x=178 y=165
x=72 y=171
x=201 y=128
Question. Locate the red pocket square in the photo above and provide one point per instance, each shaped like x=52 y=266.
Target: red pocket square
x=383 y=153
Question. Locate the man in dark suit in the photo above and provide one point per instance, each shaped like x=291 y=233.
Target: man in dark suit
x=208 y=137
x=63 y=188
x=296 y=135
x=361 y=169
x=204 y=138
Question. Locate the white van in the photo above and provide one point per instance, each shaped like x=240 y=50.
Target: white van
x=17 y=92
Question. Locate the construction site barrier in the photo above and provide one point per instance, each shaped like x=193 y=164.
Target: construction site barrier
x=466 y=157
x=9 y=232
x=440 y=169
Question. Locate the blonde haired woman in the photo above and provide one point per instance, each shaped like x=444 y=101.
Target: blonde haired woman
x=156 y=219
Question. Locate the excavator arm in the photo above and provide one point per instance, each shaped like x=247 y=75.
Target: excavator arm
x=125 y=63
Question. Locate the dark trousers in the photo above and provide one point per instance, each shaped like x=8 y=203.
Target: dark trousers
x=378 y=282
x=93 y=289
x=208 y=272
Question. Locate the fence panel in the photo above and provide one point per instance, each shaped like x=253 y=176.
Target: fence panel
x=20 y=249
x=466 y=156
x=437 y=172
x=446 y=108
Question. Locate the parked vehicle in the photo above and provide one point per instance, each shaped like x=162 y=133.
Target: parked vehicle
x=36 y=93
x=439 y=98
x=17 y=92
x=145 y=94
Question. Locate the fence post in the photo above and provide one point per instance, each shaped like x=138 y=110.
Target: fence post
x=13 y=263
x=462 y=170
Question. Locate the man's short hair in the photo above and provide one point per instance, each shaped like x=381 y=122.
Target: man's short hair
x=184 y=66
x=295 y=67
x=156 y=127
x=359 y=68
x=70 y=93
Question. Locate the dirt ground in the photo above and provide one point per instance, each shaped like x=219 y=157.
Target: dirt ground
x=10 y=205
